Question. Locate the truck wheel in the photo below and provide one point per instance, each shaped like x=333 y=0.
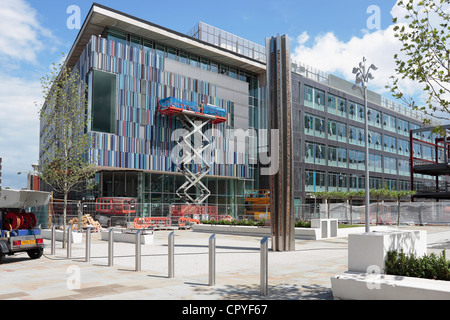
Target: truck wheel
x=36 y=253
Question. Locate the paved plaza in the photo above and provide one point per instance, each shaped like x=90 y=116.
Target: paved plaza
x=302 y=274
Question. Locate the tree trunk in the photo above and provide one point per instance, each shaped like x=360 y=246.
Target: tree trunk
x=398 y=213
x=64 y=220
x=351 y=211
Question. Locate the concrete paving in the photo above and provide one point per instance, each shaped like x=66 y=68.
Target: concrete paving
x=302 y=274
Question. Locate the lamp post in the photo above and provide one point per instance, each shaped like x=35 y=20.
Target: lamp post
x=363 y=76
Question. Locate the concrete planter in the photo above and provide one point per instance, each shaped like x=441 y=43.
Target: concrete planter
x=47 y=234
x=300 y=233
x=364 y=286
x=369 y=250
x=128 y=237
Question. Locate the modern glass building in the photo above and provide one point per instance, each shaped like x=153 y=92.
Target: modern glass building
x=131 y=64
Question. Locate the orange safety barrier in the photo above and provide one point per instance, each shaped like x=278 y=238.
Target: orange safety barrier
x=182 y=221
x=141 y=223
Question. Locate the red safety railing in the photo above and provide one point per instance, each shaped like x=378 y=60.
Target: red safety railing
x=142 y=223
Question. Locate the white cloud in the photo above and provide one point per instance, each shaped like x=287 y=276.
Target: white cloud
x=19 y=128
x=332 y=55
x=22 y=36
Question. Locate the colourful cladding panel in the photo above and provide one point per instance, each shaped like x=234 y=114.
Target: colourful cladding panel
x=143 y=137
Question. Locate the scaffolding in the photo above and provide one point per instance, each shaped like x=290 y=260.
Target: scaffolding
x=193 y=166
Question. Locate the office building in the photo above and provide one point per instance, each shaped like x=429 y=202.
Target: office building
x=131 y=64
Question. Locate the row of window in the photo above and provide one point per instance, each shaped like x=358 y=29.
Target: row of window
x=317 y=126
x=332 y=156
x=179 y=55
x=317 y=181
x=316 y=99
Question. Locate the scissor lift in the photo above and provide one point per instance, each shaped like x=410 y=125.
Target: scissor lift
x=194 y=118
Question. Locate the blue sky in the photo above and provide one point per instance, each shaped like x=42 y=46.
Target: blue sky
x=330 y=35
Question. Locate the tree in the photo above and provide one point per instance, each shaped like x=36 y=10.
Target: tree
x=399 y=195
x=378 y=194
x=65 y=165
x=425 y=45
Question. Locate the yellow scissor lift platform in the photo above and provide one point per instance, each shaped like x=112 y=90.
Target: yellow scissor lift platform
x=258 y=204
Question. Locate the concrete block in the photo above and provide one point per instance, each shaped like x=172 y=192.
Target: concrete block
x=328 y=227
x=76 y=236
x=368 y=251
x=128 y=237
x=364 y=286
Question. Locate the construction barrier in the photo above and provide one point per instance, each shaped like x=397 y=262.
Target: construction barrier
x=141 y=223
x=183 y=220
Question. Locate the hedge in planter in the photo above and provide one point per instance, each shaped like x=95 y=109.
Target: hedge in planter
x=429 y=266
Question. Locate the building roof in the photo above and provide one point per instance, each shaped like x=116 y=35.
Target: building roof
x=100 y=17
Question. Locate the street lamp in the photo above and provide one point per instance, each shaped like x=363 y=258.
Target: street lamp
x=363 y=76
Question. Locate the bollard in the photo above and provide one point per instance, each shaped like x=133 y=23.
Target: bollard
x=111 y=247
x=212 y=260
x=69 y=242
x=264 y=265
x=171 y=255
x=138 y=250
x=88 y=244
x=53 y=241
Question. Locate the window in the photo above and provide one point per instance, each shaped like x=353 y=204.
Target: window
x=356 y=136
x=375 y=163
x=390 y=144
x=332 y=156
x=337 y=181
x=315 y=181
x=389 y=123
x=337 y=131
x=403 y=167
x=356 y=159
x=315 y=153
x=390 y=165
x=375 y=183
x=356 y=182
x=103 y=101
x=356 y=112
x=117 y=36
x=391 y=184
x=374 y=117
x=337 y=105
x=403 y=147
x=427 y=153
x=403 y=127
x=404 y=185
x=375 y=140
x=342 y=157
x=314 y=98
x=315 y=126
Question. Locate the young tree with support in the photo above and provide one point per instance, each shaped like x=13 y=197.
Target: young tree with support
x=67 y=166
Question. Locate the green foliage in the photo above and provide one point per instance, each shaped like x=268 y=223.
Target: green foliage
x=65 y=164
x=428 y=266
x=426 y=53
x=303 y=224
x=244 y=222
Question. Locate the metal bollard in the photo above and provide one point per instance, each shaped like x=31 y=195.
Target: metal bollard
x=88 y=244
x=171 y=255
x=264 y=266
x=53 y=241
x=69 y=242
x=212 y=260
x=138 y=250
x=111 y=247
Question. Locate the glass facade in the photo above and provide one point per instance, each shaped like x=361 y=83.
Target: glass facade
x=342 y=167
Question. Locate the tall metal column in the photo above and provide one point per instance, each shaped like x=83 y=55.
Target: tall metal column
x=279 y=98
